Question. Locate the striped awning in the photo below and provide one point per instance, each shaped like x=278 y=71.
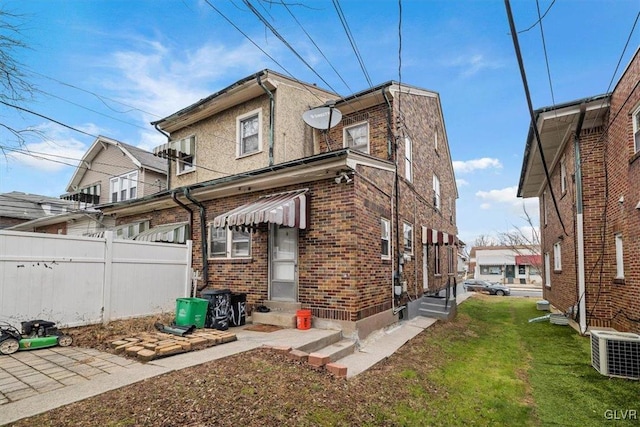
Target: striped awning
x=176 y=149
x=171 y=233
x=431 y=236
x=288 y=209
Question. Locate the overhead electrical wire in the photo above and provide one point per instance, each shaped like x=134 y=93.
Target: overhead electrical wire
x=514 y=36
x=275 y=32
x=352 y=42
x=540 y=18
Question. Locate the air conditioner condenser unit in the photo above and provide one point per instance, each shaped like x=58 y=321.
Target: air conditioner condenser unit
x=616 y=354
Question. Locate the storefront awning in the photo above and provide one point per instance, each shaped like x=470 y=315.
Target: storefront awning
x=288 y=209
x=171 y=233
x=528 y=259
x=175 y=149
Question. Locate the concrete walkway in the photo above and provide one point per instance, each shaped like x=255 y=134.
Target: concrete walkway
x=33 y=382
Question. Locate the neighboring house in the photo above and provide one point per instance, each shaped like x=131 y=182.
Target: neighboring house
x=590 y=233
x=507 y=264
x=110 y=171
x=18 y=208
x=354 y=224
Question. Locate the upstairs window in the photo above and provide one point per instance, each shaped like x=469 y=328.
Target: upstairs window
x=544 y=208
x=636 y=130
x=385 y=232
x=435 y=139
x=408 y=238
x=547 y=269
x=185 y=152
x=408 y=159
x=249 y=133
x=357 y=137
x=436 y=192
x=124 y=187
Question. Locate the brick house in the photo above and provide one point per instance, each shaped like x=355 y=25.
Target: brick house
x=353 y=224
x=590 y=243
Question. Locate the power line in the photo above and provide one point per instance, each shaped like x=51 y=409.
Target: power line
x=316 y=46
x=261 y=49
x=284 y=41
x=514 y=36
x=345 y=26
x=540 y=18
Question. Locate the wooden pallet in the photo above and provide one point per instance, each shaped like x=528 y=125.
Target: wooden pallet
x=152 y=345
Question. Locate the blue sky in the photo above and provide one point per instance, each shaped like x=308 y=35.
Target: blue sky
x=110 y=67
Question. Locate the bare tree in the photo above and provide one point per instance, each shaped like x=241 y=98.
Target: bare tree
x=484 y=240
x=15 y=87
x=523 y=241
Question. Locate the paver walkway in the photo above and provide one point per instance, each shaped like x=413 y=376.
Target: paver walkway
x=27 y=373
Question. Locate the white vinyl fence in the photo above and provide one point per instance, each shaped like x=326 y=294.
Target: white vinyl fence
x=73 y=280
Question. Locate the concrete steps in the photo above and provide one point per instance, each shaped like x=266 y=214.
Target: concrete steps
x=438 y=307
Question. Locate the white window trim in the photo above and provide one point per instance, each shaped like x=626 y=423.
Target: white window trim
x=181 y=166
x=557 y=257
x=385 y=225
x=344 y=136
x=117 y=184
x=436 y=266
x=228 y=246
x=239 y=120
x=450 y=259
x=436 y=192
x=408 y=159
x=435 y=140
x=547 y=269
x=544 y=207
x=405 y=226
x=619 y=256
x=635 y=117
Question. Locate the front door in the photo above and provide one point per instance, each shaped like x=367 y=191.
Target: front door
x=283 y=269
x=510 y=273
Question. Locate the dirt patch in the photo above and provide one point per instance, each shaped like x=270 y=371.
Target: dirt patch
x=263 y=328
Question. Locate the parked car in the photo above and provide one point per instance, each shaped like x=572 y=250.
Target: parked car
x=485 y=286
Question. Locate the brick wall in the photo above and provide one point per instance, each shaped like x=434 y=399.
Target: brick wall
x=623 y=180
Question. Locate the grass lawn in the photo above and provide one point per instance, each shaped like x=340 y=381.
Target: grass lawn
x=488 y=367
x=503 y=370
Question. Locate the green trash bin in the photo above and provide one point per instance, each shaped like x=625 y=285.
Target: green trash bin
x=191 y=311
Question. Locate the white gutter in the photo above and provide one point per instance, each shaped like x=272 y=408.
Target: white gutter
x=582 y=295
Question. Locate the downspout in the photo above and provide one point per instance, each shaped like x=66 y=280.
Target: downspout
x=203 y=237
x=168 y=159
x=392 y=152
x=272 y=105
x=582 y=304
x=174 y=197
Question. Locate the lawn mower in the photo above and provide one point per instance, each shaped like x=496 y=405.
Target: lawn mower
x=35 y=334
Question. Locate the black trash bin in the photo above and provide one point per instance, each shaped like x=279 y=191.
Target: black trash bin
x=238 y=309
x=218 y=310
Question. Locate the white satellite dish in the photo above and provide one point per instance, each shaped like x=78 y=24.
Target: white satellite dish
x=322 y=117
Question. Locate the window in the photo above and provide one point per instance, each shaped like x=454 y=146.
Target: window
x=547 y=269
x=557 y=259
x=636 y=130
x=619 y=257
x=522 y=269
x=357 y=137
x=435 y=139
x=436 y=191
x=451 y=259
x=249 y=133
x=563 y=175
x=124 y=187
x=408 y=159
x=185 y=157
x=495 y=270
x=408 y=238
x=436 y=269
x=385 y=231
x=544 y=207
x=225 y=243
x=127 y=231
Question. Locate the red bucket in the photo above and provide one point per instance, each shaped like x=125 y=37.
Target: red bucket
x=304 y=319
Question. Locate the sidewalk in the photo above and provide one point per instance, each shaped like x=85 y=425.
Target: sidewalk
x=33 y=382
